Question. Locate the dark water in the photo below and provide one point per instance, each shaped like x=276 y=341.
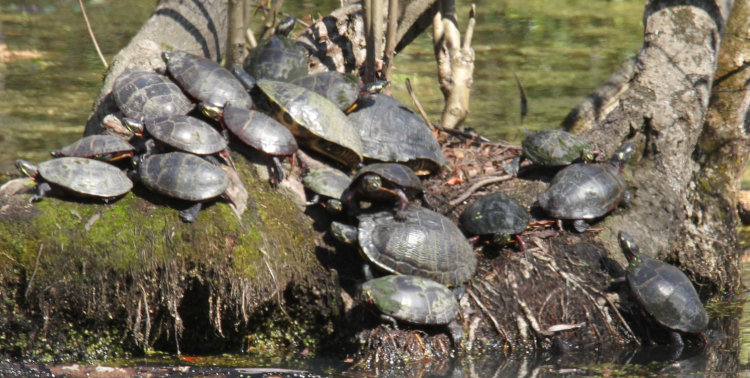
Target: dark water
x=560 y=51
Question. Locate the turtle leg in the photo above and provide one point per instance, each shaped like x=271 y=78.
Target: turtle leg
x=521 y=244
x=403 y=202
x=367 y=272
x=456 y=333
x=191 y=213
x=313 y=201
x=512 y=167
x=580 y=225
x=677 y=344
x=626 y=199
x=559 y=224
x=473 y=240
x=41 y=190
x=351 y=204
x=279 y=169
x=389 y=319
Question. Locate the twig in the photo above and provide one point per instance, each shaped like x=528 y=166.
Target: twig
x=484 y=309
x=273 y=276
x=91 y=33
x=33 y=273
x=478 y=185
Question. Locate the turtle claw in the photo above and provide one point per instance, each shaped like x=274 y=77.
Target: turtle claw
x=400 y=215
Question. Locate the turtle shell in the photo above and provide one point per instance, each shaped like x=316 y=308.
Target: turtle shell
x=85 y=177
x=144 y=94
x=667 y=294
x=495 y=213
x=425 y=244
x=392 y=175
x=259 y=131
x=316 y=122
x=183 y=176
x=277 y=58
x=341 y=89
x=553 y=147
x=411 y=299
x=188 y=134
x=391 y=132
x=327 y=181
x=584 y=191
x=100 y=147
x=206 y=80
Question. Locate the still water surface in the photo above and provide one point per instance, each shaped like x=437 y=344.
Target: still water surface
x=560 y=50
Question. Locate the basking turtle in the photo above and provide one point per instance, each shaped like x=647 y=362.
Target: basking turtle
x=329 y=185
x=414 y=300
x=587 y=191
x=554 y=148
x=498 y=216
x=664 y=291
x=426 y=244
x=316 y=122
x=80 y=176
x=262 y=133
x=385 y=181
x=107 y=148
x=183 y=176
x=278 y=57
x=182 y=133
x=206 y=81
x=344 y=90
x=142 y=94
x=391 y=132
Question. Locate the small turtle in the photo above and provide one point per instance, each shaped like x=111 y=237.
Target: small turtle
x=587 y=191
x=142 y=94
x=80 y=176
x=414 y=300
x=344 y=90
x=554 y=148
x=329 y=185
x=385 y=181
x=206 y=81
x=107 y=148
x=278 y=57
x=498 y=216
x=314 y=121
x=183 y=176
x=664 y=291
x=181 y=133
x=391 y=132
x=262 y=133
x=426 y=244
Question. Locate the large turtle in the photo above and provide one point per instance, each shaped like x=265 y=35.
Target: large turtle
x=107 y=148
x=391 y=132
x=498 y=216
x=181 y=133
x=316 y=122
x=664 y=291
x=142 y=94
x=385 y=181
x=206 y=81
x=414 y=300
x=278 y=57
x=183 y=176
x=581 y=192
x=79 y=176
x=425 y=244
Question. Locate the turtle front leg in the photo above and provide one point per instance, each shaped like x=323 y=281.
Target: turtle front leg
x=403 y=202
x=190 y=214
x=677 y=344
x=41 y=190
x=456 y=332
x=580 y=225
x=277 y=174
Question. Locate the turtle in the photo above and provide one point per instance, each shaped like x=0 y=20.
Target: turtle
x=344 y=90
x=328 y=185
x=391 y=132
x=413 y=300
x=554 y=148
x=181 y=133
x=183 y=176
x=107 y=148
x=314 y=121
x=80 y=176
x=664 y=291
x=385 y=181
x=497 y=215
x=278 y=57
x=141 y=94
x=425 y=244
x=262 y=133
x=206 y=81
x=581 y=192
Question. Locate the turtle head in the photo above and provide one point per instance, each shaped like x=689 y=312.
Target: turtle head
x=622 y=154
x=167 y=55
x=629 y=248
x=334 y=205
x=134 y=126
x=214 y=112
x=374 y=88
x=587 y=155
x=344 y=233
x=27 y=168
x=501 y=239
x=371 y=183
x=285 y=26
